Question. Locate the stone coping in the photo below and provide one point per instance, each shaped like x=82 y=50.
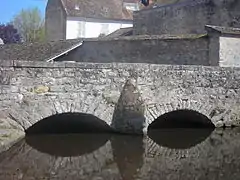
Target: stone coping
x=87 y=65
x=161 y=37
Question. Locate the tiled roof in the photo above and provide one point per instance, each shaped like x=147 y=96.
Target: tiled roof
x=176 y=3
x=36 y=51
x=107 y=9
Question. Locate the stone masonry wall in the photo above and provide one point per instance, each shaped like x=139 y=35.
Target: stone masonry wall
x=31 y=91
x=187 y=17
x=154 y=50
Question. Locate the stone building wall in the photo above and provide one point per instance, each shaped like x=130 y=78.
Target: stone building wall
x=187 y=17
x=154 y=50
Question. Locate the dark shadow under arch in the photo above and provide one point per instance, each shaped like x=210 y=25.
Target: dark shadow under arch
x=67 y=145
x=179 y=138
x=181 y=119
x=69 y=123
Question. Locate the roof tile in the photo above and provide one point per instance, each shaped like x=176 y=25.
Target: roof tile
x=36 y=51
x=110 y=9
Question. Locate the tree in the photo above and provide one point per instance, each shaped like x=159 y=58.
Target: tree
x=30 y=25
x=9 y=34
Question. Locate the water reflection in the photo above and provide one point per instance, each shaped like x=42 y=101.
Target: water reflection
x=91 y=157
x=67 y=145
x=179 y=138
x=128 y=152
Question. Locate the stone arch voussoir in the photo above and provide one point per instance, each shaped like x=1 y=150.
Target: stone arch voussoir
x=225 y=115
x=27 y=112
x=153 y=111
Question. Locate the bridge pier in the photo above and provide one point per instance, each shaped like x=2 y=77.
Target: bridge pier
x=128 y=116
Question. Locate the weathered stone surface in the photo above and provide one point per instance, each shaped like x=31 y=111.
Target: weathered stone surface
x=10 y=133
x=128 y=115
x=9 y=137
x=95 y=88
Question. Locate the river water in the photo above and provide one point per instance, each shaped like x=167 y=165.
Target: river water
x=183 y=154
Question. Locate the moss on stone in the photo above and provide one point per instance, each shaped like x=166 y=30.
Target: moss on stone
x=40 y=89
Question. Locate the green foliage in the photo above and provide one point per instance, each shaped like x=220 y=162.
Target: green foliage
x=30 y=25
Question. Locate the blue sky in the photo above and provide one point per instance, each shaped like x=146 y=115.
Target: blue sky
x=9 y=8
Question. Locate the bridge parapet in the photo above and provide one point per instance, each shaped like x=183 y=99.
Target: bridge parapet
x=31 y=91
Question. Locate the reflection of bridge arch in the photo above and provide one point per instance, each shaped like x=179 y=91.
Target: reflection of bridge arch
x=85 y=165
x=67 y=145
x=179 y=138
x=218 y=152
x=155 y=150
x=24 y=161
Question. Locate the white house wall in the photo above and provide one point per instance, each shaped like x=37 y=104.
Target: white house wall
x=229 y=52
x=77 y=28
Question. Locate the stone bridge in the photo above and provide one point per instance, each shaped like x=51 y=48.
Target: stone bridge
x=128 y=97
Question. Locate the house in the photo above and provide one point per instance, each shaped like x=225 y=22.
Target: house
x=218 y=47
x=71 y=19
x=200 y=44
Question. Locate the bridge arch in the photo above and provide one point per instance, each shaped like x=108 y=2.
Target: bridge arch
x=156 y=110
x=183 y=118
x=70 y=122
